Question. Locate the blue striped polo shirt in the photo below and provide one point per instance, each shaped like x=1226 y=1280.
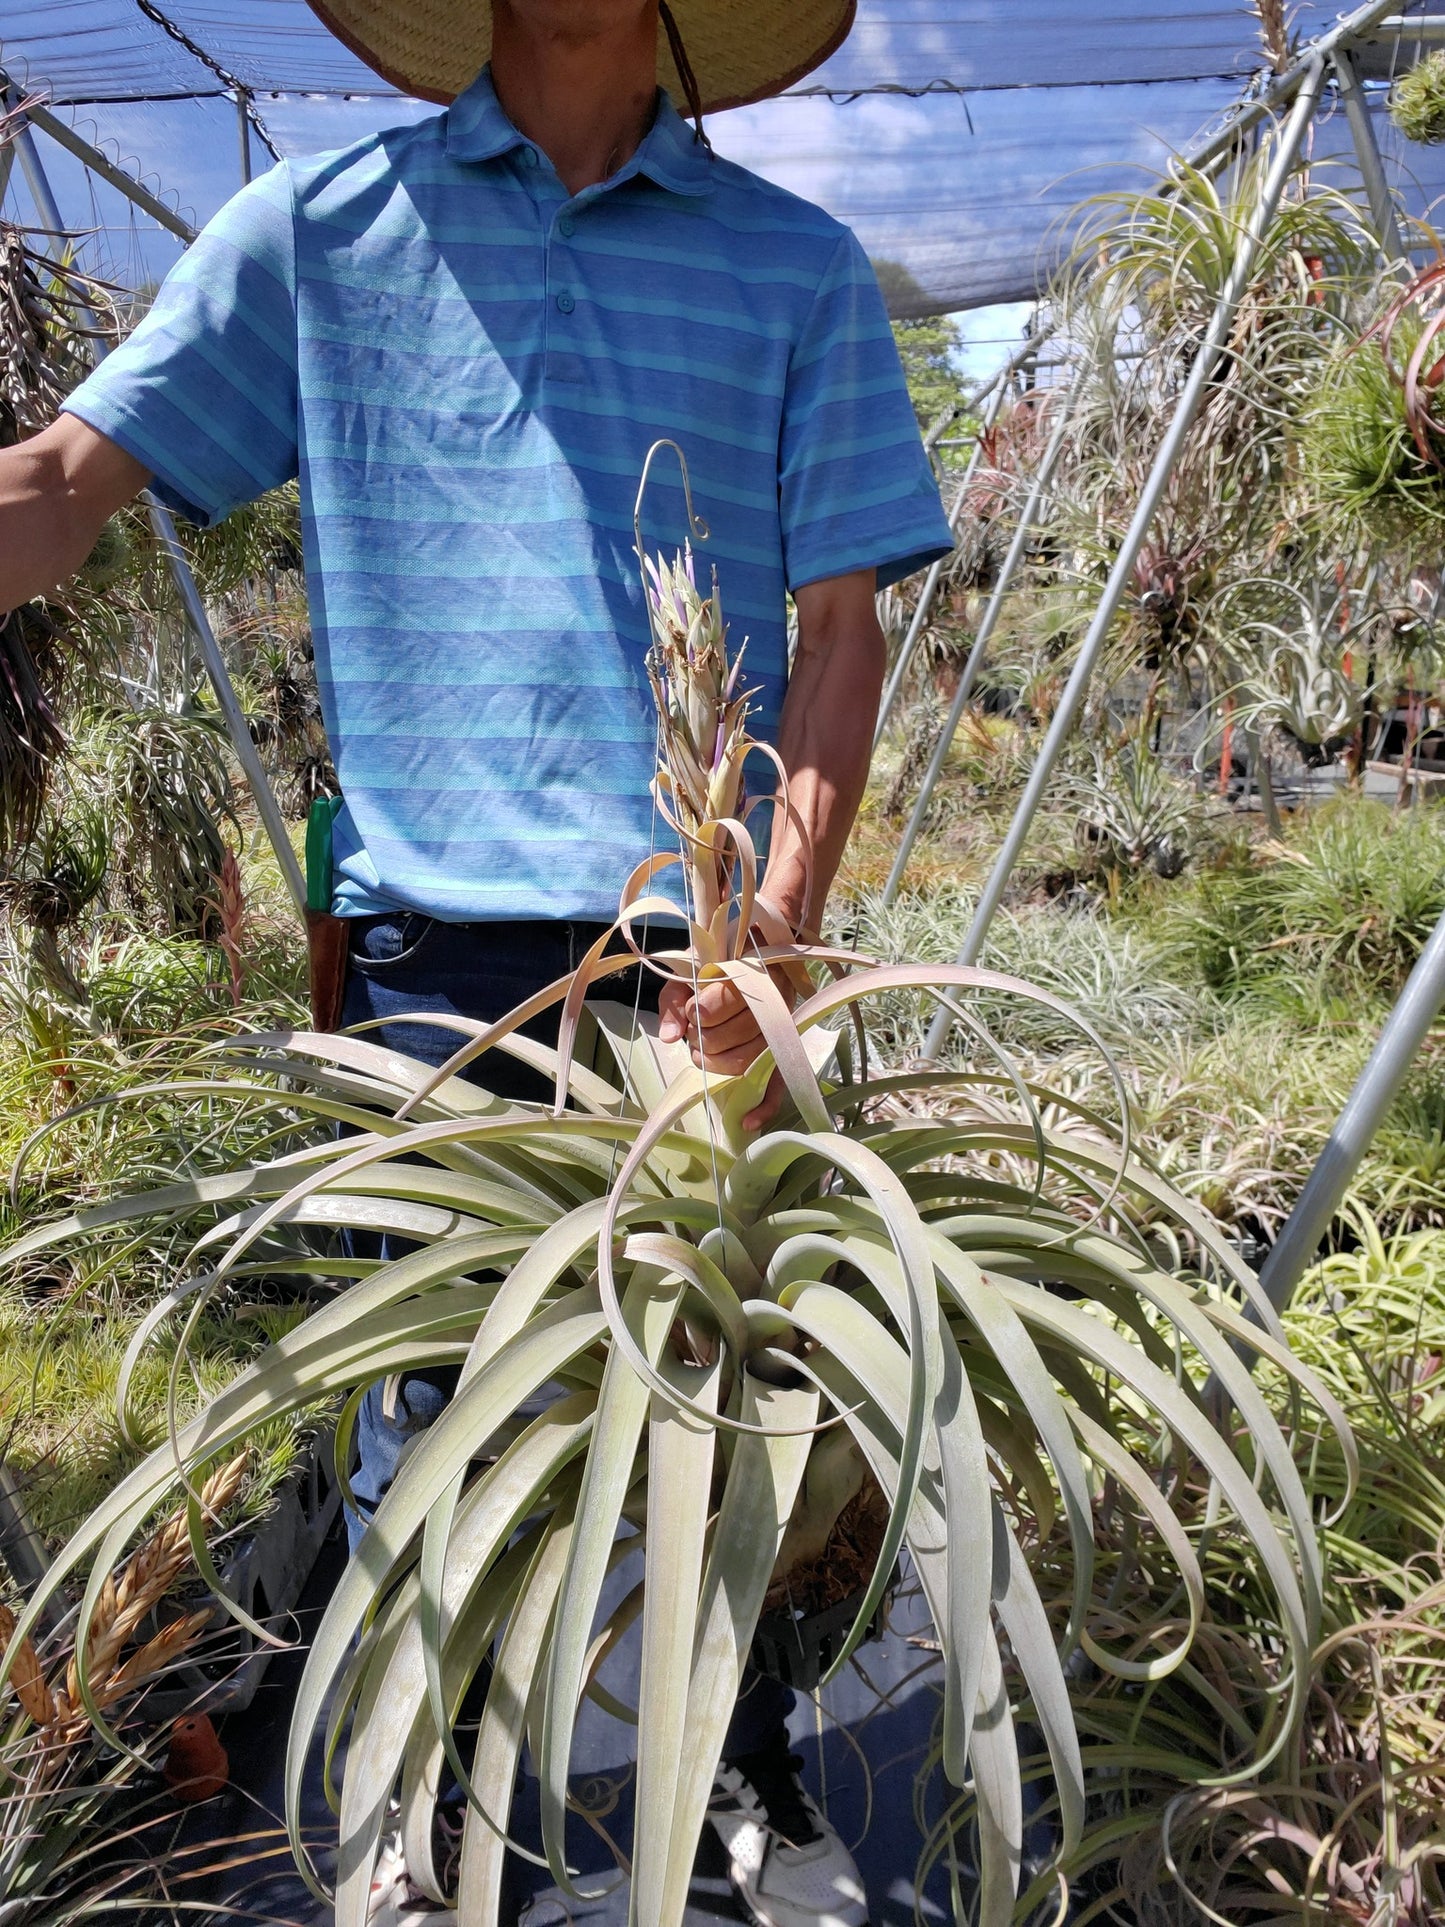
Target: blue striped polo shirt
x=466 y=366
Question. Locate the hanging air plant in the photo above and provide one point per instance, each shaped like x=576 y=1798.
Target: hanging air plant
x=1417 y=101
x=44 y=339
x=1373 y=443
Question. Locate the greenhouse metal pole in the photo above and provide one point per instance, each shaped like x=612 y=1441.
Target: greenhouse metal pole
x=243 y=116
x=1376 y=1088
x=1117 y=585
x=993 y=390
x=247 y=754
x=1372 y=168
x=987 y=623
x=931 y=581
x=99 y=163
x=22 y=1550
x=1365 y=23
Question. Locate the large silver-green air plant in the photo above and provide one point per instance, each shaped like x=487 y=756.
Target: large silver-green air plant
x=744 y=1330
x=1290 y=646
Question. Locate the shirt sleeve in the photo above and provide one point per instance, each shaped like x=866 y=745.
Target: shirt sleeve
x=204 y=390
x=856 y=487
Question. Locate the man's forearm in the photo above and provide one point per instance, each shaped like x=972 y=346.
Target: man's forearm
x=56 y=492
x=826 y=738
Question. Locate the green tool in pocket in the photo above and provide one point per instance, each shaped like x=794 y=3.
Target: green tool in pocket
x=318 y=852
x=327 y=945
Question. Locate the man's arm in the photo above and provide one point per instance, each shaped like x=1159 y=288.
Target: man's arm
x=826 y=737
x=57 y=491
x=826 y=744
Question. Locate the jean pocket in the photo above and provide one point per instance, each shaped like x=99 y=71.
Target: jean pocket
x=388 y=942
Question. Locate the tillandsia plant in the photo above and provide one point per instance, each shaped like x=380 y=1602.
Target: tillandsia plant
x=45 y=334
x=74 y=1812
x=1373 y=439
x=1417 y=101
x=1133 y=809
x=959 y=1310
x=1292 y=647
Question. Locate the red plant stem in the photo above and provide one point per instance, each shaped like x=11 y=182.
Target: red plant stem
x=1226 y=747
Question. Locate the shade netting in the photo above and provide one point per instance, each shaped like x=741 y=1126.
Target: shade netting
x=953 y=135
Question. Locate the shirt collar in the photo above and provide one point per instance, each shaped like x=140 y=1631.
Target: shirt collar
x=670 y=154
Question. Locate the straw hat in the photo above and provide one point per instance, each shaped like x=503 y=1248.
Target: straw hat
x=740 y=50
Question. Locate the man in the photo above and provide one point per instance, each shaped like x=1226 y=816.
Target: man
x=464 y=335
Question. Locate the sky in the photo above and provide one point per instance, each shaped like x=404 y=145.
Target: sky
x=970 y=193
x=990 y=336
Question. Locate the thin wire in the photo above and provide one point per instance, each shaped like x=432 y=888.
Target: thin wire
x=197 y=52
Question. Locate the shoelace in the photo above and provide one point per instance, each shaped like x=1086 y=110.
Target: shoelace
x=773 y=1775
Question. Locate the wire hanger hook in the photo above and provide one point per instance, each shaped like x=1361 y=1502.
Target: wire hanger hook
x=697 y=527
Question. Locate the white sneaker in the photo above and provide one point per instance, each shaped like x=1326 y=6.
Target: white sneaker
x=394 y=1901
x=787 y=1865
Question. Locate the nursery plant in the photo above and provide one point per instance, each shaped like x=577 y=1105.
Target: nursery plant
x=1373 y=440
x=43 y=353
x=1349 y=1828
x=1417 y=101
x=1291 y=645
x=1132 y=809
x=75 y=1811
x=943 y=1294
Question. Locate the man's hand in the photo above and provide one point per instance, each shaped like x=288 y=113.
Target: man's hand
x=57 y=492
x=724 y=1035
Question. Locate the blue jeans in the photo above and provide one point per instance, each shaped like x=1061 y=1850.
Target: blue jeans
x=407 y=963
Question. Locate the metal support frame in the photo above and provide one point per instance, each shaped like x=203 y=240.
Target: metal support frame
x=1301 y=114
x=90 y=156
x=1364 y=23
x=1020 y=358
x=993 y=392
x=22 y=1550
x=247 y=754
x=1372 y=169
x=1411 y=26
x=243 y=117
x=987 y=622
x=1375 y=1089
x=929 y=591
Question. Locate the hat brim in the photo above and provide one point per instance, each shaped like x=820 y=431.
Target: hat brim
x=740 y=50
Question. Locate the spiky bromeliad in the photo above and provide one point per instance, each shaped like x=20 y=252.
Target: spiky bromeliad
x=744 y=1328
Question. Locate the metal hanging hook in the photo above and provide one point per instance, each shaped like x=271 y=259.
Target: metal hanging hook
x=697 y=527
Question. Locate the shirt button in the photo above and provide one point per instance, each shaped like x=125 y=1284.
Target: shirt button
x=566 y=225
x=529 y=154
x=565 y=303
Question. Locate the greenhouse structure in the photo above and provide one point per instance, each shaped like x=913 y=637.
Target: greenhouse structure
x=1011 y=1353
